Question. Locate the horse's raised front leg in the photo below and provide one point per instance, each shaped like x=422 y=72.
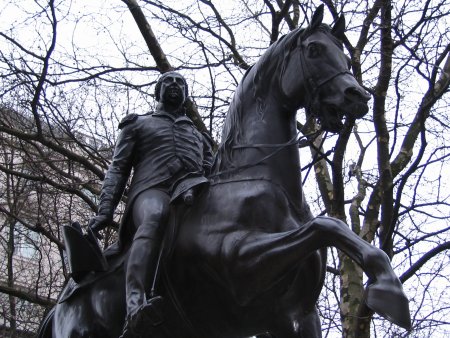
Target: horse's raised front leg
x=385 y=293
x=257 y=260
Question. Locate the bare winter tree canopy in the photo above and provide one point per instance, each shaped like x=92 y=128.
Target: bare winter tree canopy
x=71 y=70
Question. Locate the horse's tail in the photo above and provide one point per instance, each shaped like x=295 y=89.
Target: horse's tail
x=45 y=329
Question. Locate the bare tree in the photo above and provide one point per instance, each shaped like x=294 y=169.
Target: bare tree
x=69 y=73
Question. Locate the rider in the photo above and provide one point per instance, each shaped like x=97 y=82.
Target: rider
x=164 y=150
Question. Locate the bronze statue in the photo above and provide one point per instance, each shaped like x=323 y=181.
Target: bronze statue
x=248 y=257
x=162 y=149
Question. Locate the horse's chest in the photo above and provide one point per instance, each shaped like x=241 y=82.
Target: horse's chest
x=232 y=210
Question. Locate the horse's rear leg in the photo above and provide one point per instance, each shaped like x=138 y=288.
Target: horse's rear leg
x=257 y=260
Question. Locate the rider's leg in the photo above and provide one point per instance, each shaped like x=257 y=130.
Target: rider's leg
x=150 y=212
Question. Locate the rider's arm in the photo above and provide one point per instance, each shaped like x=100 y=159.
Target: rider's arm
x=208 y=155
x=116 y=176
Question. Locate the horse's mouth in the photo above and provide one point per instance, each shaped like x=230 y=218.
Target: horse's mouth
x=332 y=116
x=357 y=110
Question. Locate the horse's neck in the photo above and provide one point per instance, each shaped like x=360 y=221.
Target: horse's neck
x=266 y=132
x=266 y=124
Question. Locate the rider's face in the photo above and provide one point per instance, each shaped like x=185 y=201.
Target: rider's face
x=173 y=89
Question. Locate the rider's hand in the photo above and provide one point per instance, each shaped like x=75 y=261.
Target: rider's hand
x=99 y=222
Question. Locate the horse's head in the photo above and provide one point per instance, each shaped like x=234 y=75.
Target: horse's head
x=315 y=65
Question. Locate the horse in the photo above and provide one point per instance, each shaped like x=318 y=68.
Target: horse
x=248 y=258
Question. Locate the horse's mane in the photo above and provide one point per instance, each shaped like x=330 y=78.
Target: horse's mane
x=270 y=64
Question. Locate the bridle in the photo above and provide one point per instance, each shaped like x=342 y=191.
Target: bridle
x=312 y=86
x=277 y=148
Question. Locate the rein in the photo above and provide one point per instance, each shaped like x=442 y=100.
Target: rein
x=278 y=147
x=269 y=145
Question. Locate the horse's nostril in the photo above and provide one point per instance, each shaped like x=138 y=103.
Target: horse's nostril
x=356 y=94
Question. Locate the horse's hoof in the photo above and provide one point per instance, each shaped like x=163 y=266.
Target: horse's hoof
x=389 y=301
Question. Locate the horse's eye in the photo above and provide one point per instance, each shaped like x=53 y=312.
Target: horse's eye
x=314 y=49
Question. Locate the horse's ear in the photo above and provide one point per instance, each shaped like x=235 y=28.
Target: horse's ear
x=317 y=18
x=339 y=28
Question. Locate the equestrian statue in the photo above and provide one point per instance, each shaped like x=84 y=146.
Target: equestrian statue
x=224 y=247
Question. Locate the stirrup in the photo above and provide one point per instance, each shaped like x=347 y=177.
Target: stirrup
x=154 y=310
x=148 y=316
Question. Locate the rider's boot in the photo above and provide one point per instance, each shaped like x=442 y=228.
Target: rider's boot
x=142 y=312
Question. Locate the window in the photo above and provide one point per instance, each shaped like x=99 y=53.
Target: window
x=25 y=241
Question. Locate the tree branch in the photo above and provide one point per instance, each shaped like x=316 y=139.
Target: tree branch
x=423 y=260
x=26 y=295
